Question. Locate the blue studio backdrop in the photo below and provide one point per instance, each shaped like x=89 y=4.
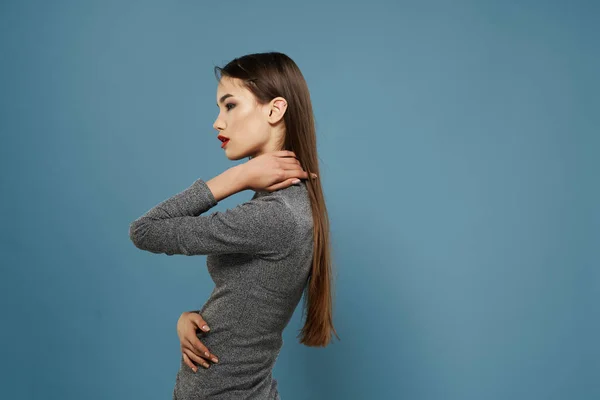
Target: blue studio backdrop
x=459 y=152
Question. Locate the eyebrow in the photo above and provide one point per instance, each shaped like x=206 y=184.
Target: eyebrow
x=224 y=97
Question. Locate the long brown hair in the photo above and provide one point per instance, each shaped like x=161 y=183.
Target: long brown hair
x=273 y=74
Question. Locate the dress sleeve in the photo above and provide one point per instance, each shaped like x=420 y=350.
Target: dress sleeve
x=180 y=225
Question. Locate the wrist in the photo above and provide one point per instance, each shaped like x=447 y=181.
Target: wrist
x=227 y=183
x=238 y=177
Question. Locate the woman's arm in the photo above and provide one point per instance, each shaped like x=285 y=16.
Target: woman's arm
x=227 y=183
x=263 y=226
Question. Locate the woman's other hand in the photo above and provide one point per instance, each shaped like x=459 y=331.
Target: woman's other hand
x=191 y=347
x=273 y=171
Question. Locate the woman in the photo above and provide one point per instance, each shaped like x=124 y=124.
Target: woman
x=264 y=253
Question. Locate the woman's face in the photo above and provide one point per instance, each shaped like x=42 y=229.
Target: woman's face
x=247 y=124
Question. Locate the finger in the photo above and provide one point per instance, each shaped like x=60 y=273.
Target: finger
x=297 y=173
x=193 y=354
x=189 y=363
x=197 y=347
x=291 y=166
x=281 y=185
x=294 y=165
x=194 y=357
x=288 y=161
x=200 y=349
x=199 y=321
x=285 y=153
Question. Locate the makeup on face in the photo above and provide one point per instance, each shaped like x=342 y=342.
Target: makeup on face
x=223 y=139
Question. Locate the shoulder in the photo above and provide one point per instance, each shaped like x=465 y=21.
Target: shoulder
x=270 y=222
x=270 y=210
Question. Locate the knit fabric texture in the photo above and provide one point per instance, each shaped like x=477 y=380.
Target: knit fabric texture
x=259 y=256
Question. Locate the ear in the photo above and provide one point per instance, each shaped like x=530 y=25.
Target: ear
x=276 y=109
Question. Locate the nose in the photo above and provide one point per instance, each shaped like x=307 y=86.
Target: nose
x=219 y=125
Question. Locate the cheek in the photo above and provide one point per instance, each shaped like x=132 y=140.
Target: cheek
x=239 y=122
x=251 y=127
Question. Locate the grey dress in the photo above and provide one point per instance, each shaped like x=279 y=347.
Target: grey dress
x=259 y=255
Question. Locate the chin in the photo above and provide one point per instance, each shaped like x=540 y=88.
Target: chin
x=238 y=155
x=235 y=156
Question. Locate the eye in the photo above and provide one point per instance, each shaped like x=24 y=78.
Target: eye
x=229 y=104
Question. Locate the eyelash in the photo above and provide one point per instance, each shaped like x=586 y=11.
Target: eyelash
x=229 y=104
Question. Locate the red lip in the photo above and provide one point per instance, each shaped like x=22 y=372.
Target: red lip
x=223 y=139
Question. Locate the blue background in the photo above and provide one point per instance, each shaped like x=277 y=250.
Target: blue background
x=459 y=152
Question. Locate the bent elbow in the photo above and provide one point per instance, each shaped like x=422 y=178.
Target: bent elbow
x=136 y=233
x=141 y=235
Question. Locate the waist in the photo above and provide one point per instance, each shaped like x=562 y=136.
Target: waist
x=245 y=367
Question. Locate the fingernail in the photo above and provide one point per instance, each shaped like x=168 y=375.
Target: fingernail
x=206 y=353
x=296 y=181
x=215 y=359
x=205 y=328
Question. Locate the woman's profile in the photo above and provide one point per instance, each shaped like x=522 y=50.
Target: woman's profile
x=262 y=254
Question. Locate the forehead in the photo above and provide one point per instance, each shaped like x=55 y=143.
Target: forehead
x=233 y=86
